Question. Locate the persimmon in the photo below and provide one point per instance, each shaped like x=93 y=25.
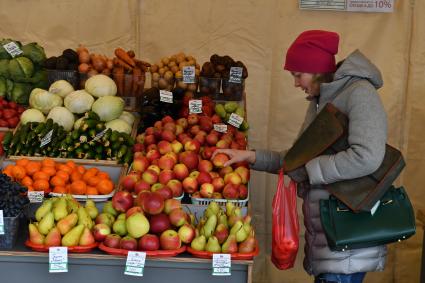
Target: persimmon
x=18 y=172
x=92 y=181
x=60 y=190
x=64 y=175
x=57 y=181
x=78 y=187
x=81 y=169
x=27 y=181
x=91 y=190
x=32 y=167
x=88 y=175
x=48 y=162
x=105 y=186
x=71 y=164
x=65 y=168
x=22 y=162
x=75 y=176
x=8 y=170
x=49 y=170
x=41 y=185
x=103 y=175
x=40 y=175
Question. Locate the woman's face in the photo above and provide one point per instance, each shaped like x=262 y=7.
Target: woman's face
x=305 y=81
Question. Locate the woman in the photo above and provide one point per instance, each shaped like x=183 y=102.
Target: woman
x=352 y=89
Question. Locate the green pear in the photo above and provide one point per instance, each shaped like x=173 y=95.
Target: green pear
x=209 y=227
x=247 y=227
x=60 y=209
x=222 y=219
x=84 y=218
x=47 y=223
x=91 y=209
x=192 y=219
x=35 y=236
x=209 y=212
x=244 y=126
x=122 y=216
x=137 y=225
x=72 y=238
x=230 y=245
x=238 y=230
x=239 y=111
x=108 y=208
x=230 y=106
x=212 y=245
x=53 y=238
x=214 y=207
x=73 y=204
x=66 y=224
x=230 y=207
x=219 y=109
x=249 y=245
x=119 y=227
x=201 y=222
x=86 y=238
x=198 y=243
x=45 y=208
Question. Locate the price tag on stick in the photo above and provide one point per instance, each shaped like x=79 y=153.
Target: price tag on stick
x=99 y=135
x=35 y=196
x=165 y=96
x=235 y=75
x=58 y=259
x=13 y=49
x=135 y=263
x=195 y=106
x=221 y=265
x=1 y=223
x=46 y=139
x=189 y=74
x=221 y=128
x=235 y=120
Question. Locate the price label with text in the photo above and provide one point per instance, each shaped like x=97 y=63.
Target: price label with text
x=46 y=139
x=58 y=259
x=195 y=106
x=99 y=135
x=165 y=96
x=189 y=74
x=221 y=128
x=36 y=196
x=13 y=49
x=235 y=75
x=135 y=263
x=235 y=120
x=1 y=223
x=221 y=265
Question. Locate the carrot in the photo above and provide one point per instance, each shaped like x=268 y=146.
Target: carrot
x=131 y=53
x=118 y=73
x=142 y=65
x=121 y=54
x=121 y=63
x=137 y=77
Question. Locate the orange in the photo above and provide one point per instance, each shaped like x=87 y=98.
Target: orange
x=75 y=176
x=49 y=170
x=18 y=172
x=103 y=175
x=30 y=188
x=90 y=173
x=105 y=186
x=8 y=171
x=92 y=181
x=92 y=190
x=32 y=167
x=41 y=185
x=81 y=169
x=60 y=190
x=78 y=187
x=71 y=164
x=26 y=181
x=40 y=175
x=65 y=168
x=57 y=181
x=63 y=175
x=48 y=162
x=22 y=162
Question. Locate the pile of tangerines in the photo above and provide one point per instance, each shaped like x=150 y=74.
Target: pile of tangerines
x=64 y=178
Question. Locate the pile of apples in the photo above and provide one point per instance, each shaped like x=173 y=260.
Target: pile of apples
x=177 y=157
x=220 y=231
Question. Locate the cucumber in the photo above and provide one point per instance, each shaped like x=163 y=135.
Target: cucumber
x=92 y=115
x=122 y=151
x=88 y=124
x=114 y=136
x=7 y=139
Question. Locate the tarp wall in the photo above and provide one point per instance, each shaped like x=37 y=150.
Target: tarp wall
x=258 y=33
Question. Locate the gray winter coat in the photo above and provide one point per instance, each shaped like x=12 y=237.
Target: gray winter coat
x=353 y=91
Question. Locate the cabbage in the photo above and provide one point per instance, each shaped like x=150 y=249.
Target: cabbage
x=61 y=88
x=62 y=116
x=32 y=115
x=101 y=85
x=78 y=101
x=108 y=107
x=127 y=117
x=119 y=126
x=43 y=100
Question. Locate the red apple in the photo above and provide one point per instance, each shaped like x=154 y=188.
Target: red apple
x=152 y=146
x=167 y=119
x=225 y=170
x=223 y=143
x=141 y=185
x=186 y=233
x=208 y=152
x=217 y=195
x=182 y=122
x=178 y=217
x=216 y=119
x=190 y=185
x=158 y=125
x=150 y=176
x=100 y=232
x=205 y=123
x=196 y=195
x=205 y=166
x=200 y=138
x=138 y=147
x=153 y=203
x=183 y=138
x=214 y=174
x=164 y=147
x=194 y=174
x=232 y=178
x=243 y=192
x=166 y=162
x=128 y=183
x=133 y=210
x=165 y=192
x=176 y=187
x=169 y=240
x=149 y=242
x=154 y=167
x=112 y=241
x=170 y=126
x=168 y=135
x=212 y=139
x=192 y=119
x=206 y=190
x=176 y=146
x=140 y=164
x=165 y=176
x=171 y=204
x=155 y=187
x=231 y=191
x=153 y=154
x=122 y=201
x=192 y=145
x=203 y=177
x=243 y=172
x=220 y=159
x=128 y=243
x=159 y=223
x=149 y=139
x=218 y=184
x=190 y=159
x=180 y=171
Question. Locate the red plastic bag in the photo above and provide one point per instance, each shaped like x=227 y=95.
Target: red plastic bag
x=285 y=227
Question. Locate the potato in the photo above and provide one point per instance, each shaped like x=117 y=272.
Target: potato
x=168 y=75
x=155 y=77
x=165 y=60
x=161 y=71
x=154 y=68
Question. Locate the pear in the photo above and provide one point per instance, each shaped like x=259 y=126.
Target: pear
x=66 y=224
x=53 y=238
x=72 y=238
x=239 y=231
x=219 y=109
x=108 y=208
x=45 y=208
x=73 y=205
x=35 y=236
x=222 y=219
x=86 y=238
x=248 y=246
x=221 y=233
x=230 y=106
x=214 y=207
x=46 y=223
x=247 y=227
x=235 y=216
x=60 y=209
x=137 y=225
x=122 y=216
x=230 y=207
x=198 y=243
x=240 y=111
x=209 y=227
x=91 y=209
x=192 y=219
x=230 y=245
x=209 y=212
x=84 y=218
x=212 y=245
x=119 y=227
x=201 y=223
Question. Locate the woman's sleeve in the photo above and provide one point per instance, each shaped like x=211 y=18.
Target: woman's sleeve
x=268 y=161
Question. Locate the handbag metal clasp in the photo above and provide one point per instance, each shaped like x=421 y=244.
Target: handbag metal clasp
x=339 y=209
x=387 y=202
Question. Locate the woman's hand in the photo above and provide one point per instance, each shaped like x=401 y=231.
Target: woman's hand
x=236 y=155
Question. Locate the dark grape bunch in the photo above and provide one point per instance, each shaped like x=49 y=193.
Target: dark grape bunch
x=11 y=198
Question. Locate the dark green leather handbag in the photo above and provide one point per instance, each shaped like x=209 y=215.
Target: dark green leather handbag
x=393 y=221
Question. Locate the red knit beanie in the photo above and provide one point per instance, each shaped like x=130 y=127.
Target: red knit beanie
x=313 y=52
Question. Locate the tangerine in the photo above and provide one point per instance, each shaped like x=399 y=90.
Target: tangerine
x=75 y=176
x=81 y=169
x=65 y=168
x=32 y=167
x=92 y=181
x=71 y=164
x=105 y=186
x=49 y=170
x=41 y=185
x=103 y=175
x=22 y=162
x=40 y=175
x=18 y=172
x=92 y=190
x=78 y=187
x=57 y=181
x=27 y=181
x=48 y=162
x=60 y=190
x=63 y=175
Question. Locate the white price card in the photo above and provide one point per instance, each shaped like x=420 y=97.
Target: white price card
x=46 y=139
x=235 y=75
x=36 y=196
x=221 y=265
x=165 y=96
x=189 y=74
x=221 y=128
x=195 y=106
x=235 y=120
x=135 y=263
x=13 y=49
x=58 y=259
x=99 y=135
x=1 y=223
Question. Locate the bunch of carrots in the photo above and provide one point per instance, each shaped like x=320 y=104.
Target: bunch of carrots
x=64 y=178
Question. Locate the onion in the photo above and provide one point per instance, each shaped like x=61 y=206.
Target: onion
x=98 y=64
x=84 y=57
x=83 y=68
x=81 y=48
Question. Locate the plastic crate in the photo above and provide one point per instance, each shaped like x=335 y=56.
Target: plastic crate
x=221 y=202
x=11 y=228
x=68 y=75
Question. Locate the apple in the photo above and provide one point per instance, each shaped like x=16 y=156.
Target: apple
x=169 y=240
x=243 y=172
x=223 y=144
x=167 y=119
x=180 y=171
x=217 y=195
x=128 y=243
x=218 y=184
x=154 y=167
x=186 y=233
x=183 y=138
x=149 y=131
x=101 y=231
x=133 y=210
x=203 y=177
x=170 y=126
x=168 y=135
x=178 y=217
x=165 y=176
x=205 y=123
x=158 y=125
x=140 y=138
x=190 y=185
x=149 y=139
x=164 y=147
x=214 y=174
x=206 y=190
x=208 y=152
x=171 y=204
x=231 y=191
x=128 y=183
x=192 y=119
x=141 y=185
x=243 y=192
x=176 y=146
x=140 y=164
x=153 y=154
x=205 y=166
x=176 y=187
x=179 y=130
x=182 y=122
x=220 y=159
x=138 y=154
x=221 y=233
x=149 y=242
x=211 y=139
x=159 y=223
x=155 y=187
x=166 y=162
x=200 y=137
x=153 y=203
x=165 y=192
x=112 y=241
x=150 y=176
x=225 y=170
x=122 y=201
x=194 y=174
x=196 y=194
x=232 y=178
x=140 y=198
x=216 y=119
x=105 y=218
x=192 y=145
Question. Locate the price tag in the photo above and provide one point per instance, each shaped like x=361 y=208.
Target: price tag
x=165 y=96
x=189 y=74
x=135 y=263
x=99 y=135
x=47 y=138
x=235 y=75
x=13 y=49
x=221 y=128
x=383 y=6
x=195 y=106
x=58 y=259
x=36 y=196
x=1 y=223
x=235 y=120
x=221 y=265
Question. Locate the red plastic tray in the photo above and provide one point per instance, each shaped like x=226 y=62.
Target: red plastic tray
x=157 y=253
x=74 y=249
x=234 y=256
